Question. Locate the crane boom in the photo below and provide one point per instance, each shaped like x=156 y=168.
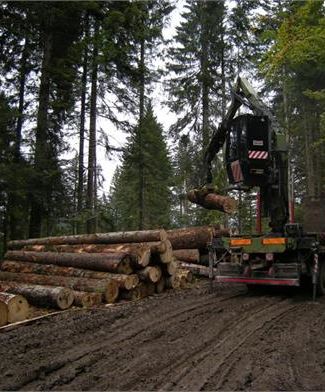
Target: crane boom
x=256 y=152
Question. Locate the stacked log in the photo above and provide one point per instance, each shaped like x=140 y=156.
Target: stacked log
x=123 y=281
x=117 y=262
x=86 y=270
x=197 y=269
x=43 y=296
x=187 y=255
x=194 y=237
x=17 y=306
x=108 y=288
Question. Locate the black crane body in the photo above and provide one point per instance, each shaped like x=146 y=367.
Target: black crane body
x=256 y=156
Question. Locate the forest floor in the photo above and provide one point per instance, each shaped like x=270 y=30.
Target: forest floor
x=192 y=339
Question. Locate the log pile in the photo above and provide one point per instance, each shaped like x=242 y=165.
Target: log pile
x=86 y=270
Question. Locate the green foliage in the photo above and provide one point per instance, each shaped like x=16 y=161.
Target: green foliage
x=126 y=187
x=194 y=64
x=299 y=42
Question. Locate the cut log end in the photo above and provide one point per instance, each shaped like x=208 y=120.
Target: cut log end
x=144 y=258
x=125 y=266
x=64 y=298
x=172 y=267
x=3 y=314
x=86 y=300
x=166 y=256
x=111 y=292
x=212 y=201
x=131 y=281
x=17 y=306
x=150 y=274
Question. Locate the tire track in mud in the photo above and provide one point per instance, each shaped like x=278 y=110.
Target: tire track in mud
x=184 y=353
x=228 y=369
x=192 y=340
x=206 y=363
x=75 y=358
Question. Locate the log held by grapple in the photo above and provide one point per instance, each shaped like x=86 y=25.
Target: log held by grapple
x=210 y=200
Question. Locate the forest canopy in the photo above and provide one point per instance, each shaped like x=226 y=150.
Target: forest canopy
x=67 y=68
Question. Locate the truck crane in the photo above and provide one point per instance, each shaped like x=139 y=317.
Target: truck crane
x=256 y=156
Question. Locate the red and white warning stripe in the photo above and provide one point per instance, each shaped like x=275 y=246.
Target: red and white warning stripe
x=253 y=154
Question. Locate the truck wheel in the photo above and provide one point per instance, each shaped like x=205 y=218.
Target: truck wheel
x=321 y=278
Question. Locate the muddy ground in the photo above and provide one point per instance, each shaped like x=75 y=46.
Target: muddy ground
x=229 y=339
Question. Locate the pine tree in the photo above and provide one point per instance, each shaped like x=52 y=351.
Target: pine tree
x=157 y=179
x=194 y=87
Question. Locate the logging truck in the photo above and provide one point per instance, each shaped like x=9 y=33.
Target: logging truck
x=256 y=157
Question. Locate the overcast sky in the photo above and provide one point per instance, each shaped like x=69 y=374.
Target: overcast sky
x=166 y=118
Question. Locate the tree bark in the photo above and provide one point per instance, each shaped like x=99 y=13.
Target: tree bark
x=41 y=155
x=175 y=282
x=86 y=300
x=127 y=282
x=140 y=130
x=185 y=273
x=212 y=201
x=194 y=237
x=22 y=85
x=150 y=274
x=18 y=308
x=92 y=166
x=198 y=269
x=172 y=267
x=141 y=251
x=205 y=76
x=43 y=296
x=109 y=262
x=108 y=288
x=81 y=169
x=187 y=255
x=3 y=314
x=98 y=238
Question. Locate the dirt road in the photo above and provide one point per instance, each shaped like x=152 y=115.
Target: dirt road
x=186 y=340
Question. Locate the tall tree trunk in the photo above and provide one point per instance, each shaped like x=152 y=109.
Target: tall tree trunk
x=15 y=201
x=22 y=83
x=41 y=156
x=308 y=151
x=80 y=189
x=205 y=78
x=91 y=186
x=140 y=130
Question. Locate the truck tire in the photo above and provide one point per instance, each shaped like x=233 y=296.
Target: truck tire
x=321 y=278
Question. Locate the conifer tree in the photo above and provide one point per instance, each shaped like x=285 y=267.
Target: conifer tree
x=157 y=179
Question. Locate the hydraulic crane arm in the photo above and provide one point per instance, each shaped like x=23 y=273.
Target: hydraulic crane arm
x=256 y=153
x=242 y=94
